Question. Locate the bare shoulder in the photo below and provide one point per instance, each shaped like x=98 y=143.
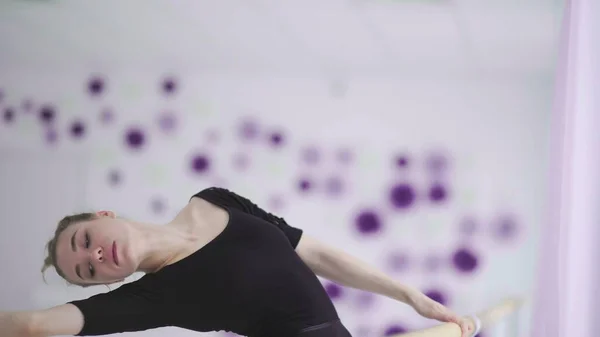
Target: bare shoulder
x=197 y=202
x=186 y=213
x=200 y=208
x=203 y=213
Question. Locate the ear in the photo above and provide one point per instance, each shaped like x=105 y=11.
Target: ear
x=109 y=214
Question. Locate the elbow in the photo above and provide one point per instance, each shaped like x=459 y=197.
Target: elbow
x=32 y=326
x=24 y=323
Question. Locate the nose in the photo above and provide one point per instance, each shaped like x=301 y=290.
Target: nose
x=98 y=254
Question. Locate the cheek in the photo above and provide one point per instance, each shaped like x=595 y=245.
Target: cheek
x=114 y=232
x=66 y=260
x=107 y=271
x=107 y=235
x=64 y=265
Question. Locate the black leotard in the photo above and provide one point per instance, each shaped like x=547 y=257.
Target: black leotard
x=249 y=280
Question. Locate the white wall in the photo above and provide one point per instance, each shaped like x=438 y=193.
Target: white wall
x=495 y=132
x=473 y=80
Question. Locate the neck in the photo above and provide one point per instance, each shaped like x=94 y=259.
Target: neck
x=159 y=245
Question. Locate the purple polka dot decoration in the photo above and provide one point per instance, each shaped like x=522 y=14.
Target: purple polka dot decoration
x=96 y=86
x=433 y=263
x=368 y=222
x=135 y=138
x=276 y=139
x=241 y=161
x=468 y=226
x=47 y=114
x=27 y=105
x=169 y=86
x=310 y=155
x=51 y=136
x=114 y=178
x=107 y=116
x=9 y=115
x=212 y=136
x=344 y=156
x=276 y=202
x=338 y=89
x=438 y=193
x=158 y=205
x=394 y=330
x=200 y=163
x=401 y=161
x=464 y=260
x=436 y=163
x=167 y=122
x=305 y=184
x=77 y=129
x=402 y=196
x=334 y=291
x=334 y=186
x=398 y=262
x=248 y=129
x=364 y=300
x=437 y=296
x=504 y=228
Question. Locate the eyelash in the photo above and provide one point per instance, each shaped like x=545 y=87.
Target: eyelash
x=87 y=245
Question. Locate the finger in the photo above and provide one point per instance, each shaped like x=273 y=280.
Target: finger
x=464 y=326
x=451 y=317
x=466 y=330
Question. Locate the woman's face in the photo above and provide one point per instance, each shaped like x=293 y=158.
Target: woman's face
x=97 y=251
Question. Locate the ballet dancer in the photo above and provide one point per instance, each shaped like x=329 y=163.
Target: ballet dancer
x=222 y=264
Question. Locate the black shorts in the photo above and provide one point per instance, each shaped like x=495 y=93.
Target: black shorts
x=329 y=329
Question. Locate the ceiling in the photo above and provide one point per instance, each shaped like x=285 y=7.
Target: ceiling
x=292 y=37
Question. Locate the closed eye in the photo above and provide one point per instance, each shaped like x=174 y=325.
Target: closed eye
x=87 y=246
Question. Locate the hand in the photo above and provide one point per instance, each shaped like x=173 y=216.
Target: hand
x=13 y=324
x=429 y=308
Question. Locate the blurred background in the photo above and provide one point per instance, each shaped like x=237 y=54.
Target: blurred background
x=415 y=134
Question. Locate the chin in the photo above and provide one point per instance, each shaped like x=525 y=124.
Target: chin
x=128 y=269
x=121 y=277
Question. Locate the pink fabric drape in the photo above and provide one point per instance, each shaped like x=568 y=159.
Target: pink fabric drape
x=566 y=299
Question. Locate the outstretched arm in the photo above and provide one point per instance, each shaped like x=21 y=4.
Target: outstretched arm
x=347 y=270
x=344 y=269
x=483 y=320
x=64 y=319
x=134 y=306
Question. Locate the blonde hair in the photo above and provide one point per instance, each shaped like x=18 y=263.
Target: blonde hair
x=66 y=222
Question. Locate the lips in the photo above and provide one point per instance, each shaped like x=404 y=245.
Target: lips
x=114 y=253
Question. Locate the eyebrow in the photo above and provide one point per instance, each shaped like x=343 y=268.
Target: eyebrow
x=74 y=248
x=78 y=272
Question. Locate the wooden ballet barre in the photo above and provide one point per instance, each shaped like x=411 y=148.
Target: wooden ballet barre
x=488 y=318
